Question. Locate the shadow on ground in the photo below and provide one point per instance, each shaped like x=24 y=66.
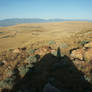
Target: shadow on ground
x=58 y=71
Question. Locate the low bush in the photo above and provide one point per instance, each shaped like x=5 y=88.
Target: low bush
x=7 y=83
x=31 y=59
x=83 y=42
x=51 y=42
x=64 y=45
x=10 y=73
x=23 y=70
x=31 y=51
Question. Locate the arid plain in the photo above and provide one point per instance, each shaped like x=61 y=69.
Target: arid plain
x=26 y=34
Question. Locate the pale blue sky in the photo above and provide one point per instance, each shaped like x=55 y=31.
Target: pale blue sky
x=76 y=9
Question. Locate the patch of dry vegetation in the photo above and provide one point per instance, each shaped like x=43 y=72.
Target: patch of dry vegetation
x=34 y=46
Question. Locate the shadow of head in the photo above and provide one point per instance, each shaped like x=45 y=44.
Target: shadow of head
x=58 y=71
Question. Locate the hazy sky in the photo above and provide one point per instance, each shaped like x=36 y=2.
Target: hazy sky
x=78 y=9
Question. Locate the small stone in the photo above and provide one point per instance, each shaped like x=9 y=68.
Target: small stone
x=17 y=50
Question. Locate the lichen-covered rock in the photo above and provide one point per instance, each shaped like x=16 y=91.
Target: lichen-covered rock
x=77 y=54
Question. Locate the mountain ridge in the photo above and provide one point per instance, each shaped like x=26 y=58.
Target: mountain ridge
x=14 y=21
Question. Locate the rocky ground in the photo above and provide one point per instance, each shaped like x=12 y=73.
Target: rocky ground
x=47 y=57
x=46 y=69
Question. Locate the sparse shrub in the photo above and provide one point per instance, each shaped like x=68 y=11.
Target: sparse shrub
x=10 y=72
x=7 y=83
x=31 y=59
x=31 y=51
x=51 y=42
x=64 y=45
x=29 y=65
x=23 y=70
x=83 y=42
x=10 y=49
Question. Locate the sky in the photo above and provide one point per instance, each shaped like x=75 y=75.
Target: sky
x=68 y=9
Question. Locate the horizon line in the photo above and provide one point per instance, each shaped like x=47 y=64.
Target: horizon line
x=46 y=18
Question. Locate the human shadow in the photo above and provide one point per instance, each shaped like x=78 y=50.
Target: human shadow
x=58 y=71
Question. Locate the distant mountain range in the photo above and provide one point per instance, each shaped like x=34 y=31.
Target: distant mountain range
x=14 y=21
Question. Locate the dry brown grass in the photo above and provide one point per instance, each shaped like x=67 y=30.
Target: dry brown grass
x=66 y=35
x=26 y=34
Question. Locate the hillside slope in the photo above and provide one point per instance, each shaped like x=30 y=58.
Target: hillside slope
x=46 y=57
